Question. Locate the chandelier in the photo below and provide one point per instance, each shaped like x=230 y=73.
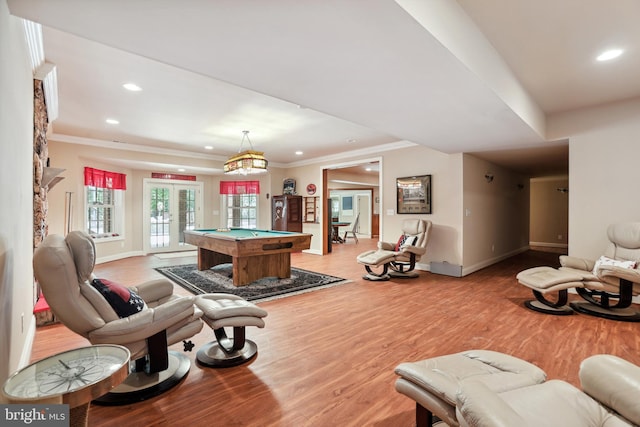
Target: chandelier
x=246 y=162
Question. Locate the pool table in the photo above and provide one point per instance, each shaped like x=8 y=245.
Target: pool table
x=254 y=253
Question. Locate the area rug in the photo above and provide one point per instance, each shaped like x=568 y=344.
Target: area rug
x=218 y=279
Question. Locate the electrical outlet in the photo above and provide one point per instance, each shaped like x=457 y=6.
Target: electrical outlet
x=559 y=236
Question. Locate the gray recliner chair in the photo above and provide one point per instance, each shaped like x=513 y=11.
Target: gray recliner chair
x=398 y=259
x=609 y=397
x=607 y=285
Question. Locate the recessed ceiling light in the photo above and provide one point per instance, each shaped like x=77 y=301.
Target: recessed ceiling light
x=351 y=140
x=299 y=153
x=112 y=121
x=181 y=170
x=132 y=87
x=208 y=147
x=609 y=54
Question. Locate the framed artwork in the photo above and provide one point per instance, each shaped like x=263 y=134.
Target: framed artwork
x=414 y=194
x=289 y=186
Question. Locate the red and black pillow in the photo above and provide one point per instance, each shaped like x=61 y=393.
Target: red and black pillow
x=405 y=240
x=123 y=300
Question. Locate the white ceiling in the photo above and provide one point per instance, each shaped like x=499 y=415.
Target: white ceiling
x=331 y=76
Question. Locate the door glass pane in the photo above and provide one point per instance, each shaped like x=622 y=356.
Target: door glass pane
x=160 y=218
x=186 y=212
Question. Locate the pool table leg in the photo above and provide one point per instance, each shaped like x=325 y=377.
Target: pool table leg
x=251 y=268
x=208 y=259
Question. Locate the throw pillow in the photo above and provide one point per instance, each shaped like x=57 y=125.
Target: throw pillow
x=123 y=300
x=401 y=241
x=603 y=260
x=404 y=241
x=409 y=241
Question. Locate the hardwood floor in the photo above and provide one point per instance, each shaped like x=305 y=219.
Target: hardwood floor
x=326 y=358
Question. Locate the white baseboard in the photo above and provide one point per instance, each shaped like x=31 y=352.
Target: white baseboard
x=119 y=256
x=491 y=261
x=549 y=245
x=25 y=357
x=312 y=251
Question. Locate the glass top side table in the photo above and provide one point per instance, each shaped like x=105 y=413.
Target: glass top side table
x=74 y=377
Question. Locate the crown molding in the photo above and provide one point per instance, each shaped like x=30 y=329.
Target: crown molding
x=369 y=151
x=374 y=150
x=70 y=139
x=41 y=69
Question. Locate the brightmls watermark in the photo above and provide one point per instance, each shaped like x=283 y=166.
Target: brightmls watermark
x=52 y=415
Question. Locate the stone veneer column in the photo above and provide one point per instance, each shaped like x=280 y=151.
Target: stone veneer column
x=40 y=159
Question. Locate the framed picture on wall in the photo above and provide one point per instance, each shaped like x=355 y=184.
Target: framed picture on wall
x=414 y=194
x=289 y=186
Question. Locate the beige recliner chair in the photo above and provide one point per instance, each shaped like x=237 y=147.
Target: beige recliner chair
x=607 y=285
x=398 y=259
x=609 y=397
x=434 y=382
x=64 y=270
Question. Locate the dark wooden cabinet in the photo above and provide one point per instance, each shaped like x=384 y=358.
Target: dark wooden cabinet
x=286 y=213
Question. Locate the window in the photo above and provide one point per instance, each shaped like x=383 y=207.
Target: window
x=103 y=212
x=240 y=201
x=242 y=210
x=104 y=202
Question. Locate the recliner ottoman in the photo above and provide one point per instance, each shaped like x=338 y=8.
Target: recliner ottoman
x=433 y=383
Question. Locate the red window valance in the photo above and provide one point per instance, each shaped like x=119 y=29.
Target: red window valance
x=239 y=187
x=105 y=179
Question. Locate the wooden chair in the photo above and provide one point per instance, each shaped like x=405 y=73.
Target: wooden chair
x=353 y=230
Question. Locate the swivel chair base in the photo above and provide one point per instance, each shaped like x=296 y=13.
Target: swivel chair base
x=543 y=308
x=542 y=305
x=372 y=275
x=213 y=356
x=139 y=386
x=226 y=352
x=621 y=314
x=404 y=274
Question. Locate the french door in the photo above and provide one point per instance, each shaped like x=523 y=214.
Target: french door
x=169 y=209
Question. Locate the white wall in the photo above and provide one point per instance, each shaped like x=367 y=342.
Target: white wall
x=17 y=324
x=496 y=214
x=549 y=219
x=604 y=149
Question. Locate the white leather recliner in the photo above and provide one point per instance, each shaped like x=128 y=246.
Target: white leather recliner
x=607 y=285
x=433 y=383
x=609 y=398
x=398 y=259
x=63 y=268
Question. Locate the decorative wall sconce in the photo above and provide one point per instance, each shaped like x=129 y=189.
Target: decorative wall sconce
x=520 y=186
x=562 y=190
x=488 y=176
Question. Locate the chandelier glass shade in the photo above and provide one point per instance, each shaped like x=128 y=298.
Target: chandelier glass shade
x=246 y=162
